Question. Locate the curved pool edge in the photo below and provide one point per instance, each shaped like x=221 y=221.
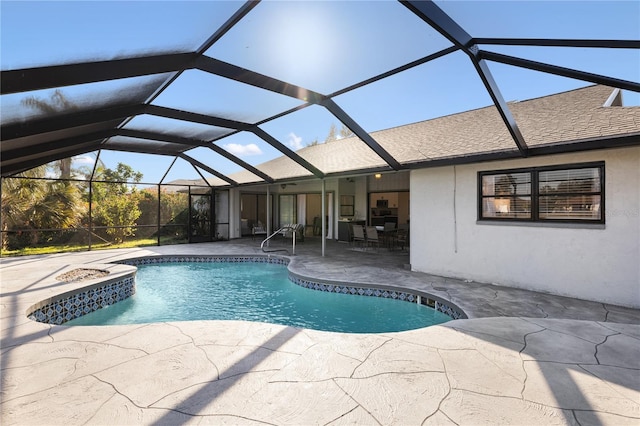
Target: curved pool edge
x=379 y=290
x=85 y=296
x=120 y=284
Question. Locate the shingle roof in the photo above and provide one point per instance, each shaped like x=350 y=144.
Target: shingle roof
x=575 y=115
x=555 y=119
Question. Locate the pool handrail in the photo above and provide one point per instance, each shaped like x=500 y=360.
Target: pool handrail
x=288 y=227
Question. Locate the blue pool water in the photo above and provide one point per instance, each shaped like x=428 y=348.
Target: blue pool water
x=258 y=292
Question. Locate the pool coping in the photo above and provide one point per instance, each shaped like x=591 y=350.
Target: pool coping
x=86 y=296
x=119 y=285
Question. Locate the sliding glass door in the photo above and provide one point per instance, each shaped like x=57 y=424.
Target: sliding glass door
x=253 y=212
x=287 y=211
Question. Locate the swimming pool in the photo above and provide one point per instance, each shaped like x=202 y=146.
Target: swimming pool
x=262 y=292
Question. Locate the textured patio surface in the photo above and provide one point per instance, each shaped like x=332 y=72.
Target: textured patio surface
x=522 y=357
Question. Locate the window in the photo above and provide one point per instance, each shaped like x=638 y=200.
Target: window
x=347 y=205
x=568 y=193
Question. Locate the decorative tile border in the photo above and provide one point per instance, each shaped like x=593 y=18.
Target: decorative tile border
x=350 y=289
x=85 y=300
x=377 y=292
x=445 y=309
x=155 y=260
x=81 y=303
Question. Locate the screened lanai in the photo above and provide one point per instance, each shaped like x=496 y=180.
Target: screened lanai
x=180 y=102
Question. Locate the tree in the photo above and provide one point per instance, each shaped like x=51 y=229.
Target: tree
x=332 y=134
x=345 y=132
x=57 y=104
x=33 y=203
x=115 y=202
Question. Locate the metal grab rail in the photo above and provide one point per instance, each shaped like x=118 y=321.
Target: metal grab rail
x=291 y=227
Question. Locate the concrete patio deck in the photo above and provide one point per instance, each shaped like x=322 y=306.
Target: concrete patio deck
x=521 y=358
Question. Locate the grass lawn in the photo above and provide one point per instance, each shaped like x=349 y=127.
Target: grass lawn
x=25 y=251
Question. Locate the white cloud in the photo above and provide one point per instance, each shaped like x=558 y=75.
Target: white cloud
x=294 y=141
x=243 y=150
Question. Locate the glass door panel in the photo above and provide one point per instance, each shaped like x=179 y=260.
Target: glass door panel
x=287 y=212
x=253 y=212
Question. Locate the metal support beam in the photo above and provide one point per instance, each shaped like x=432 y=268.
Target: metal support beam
x=195 y=162
x=441 y=22
x=123 y=147
x=252 y=78
x=224 y=28
x=241 y=163
x=286 y=151
x=161 y=137
x=195 y=117
x=194 y=143
x=201 y=175
x=561 y=71
x=43 y=149
x=158 y=213
x=429 y=12
x=164 y=176
x=268 y=212
x=25 y=80
x=397 y=70
x=607 y=44
x=235 y=18
x=46 y=157
x=324 y=215
x=339 y=113
x=68 y=121
x=501 y=105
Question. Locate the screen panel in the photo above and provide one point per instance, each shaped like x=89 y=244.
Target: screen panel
x=325 y=46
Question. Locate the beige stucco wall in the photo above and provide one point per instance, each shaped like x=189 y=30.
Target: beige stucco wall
x=597 y=263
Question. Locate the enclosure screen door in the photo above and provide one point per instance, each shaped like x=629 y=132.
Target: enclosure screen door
x=200 y=218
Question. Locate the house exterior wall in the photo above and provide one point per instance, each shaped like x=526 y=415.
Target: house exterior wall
x=600 y=263
x=397 y=181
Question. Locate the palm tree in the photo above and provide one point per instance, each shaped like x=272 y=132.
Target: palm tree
x=30 y=202
x=57 y=104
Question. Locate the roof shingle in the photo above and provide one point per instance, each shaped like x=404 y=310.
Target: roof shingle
x=560 y=118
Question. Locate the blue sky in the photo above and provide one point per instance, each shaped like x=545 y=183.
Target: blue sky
x=323 y=46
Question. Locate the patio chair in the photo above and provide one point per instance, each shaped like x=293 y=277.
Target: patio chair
x=372 y=237
x=402 y=237
x=258 y=230
x=358 y=235
x=389 y=234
